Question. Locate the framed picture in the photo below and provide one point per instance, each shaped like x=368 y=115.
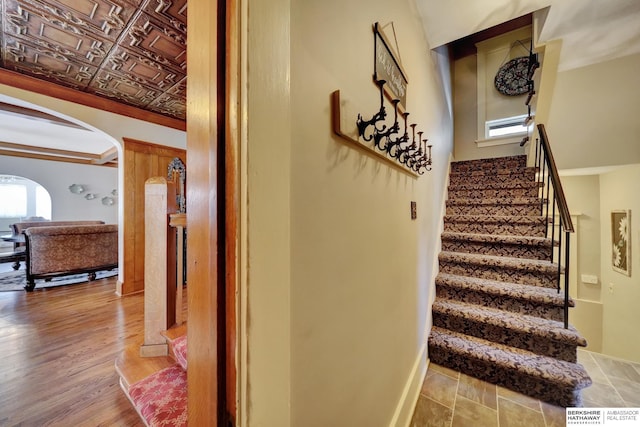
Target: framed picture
x=388 y=68
x=621 y=241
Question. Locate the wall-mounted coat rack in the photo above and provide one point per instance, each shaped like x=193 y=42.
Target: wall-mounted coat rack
x=376 y=134
x=410 y=154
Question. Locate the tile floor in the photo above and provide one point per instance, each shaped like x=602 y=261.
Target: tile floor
x=451 y=399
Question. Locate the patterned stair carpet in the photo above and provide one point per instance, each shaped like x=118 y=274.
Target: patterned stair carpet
x=161 y=398
x=497 y=314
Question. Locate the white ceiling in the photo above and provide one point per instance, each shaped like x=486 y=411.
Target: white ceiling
x=21 y=129
x=28 y=131
x=591 y=30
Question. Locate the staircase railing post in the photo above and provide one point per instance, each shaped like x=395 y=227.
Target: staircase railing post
x=559 y=255
x=553 y=230
x=547 y=208
x=566 y=282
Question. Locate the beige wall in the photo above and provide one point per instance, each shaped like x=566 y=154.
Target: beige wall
x=606 y=312
x=583 y=197
x=476 y=99
x=593 y=120
x=338 y=276
x=265 y=288
x=361 y=269
x=620 y=293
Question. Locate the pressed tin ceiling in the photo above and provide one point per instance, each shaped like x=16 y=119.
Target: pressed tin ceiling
x=130 y=51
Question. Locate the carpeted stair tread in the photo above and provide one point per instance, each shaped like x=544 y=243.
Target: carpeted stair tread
x=490 y=201
x=497 y=238
x=517 y=291
x=503 y=294
x=531 y=265
x=506 y=193
x=511 y=219
x=518 y=225
x=457 y=171
x=533 y=272
x=161 y=398
x=518 y=323
x=179 y=346
x=526 y=247
x=492 y=185
x=525 y=206
x=507 y=162
x=569 y=375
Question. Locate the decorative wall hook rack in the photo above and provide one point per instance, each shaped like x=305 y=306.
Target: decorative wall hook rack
x=410 y=157
x=408 y=152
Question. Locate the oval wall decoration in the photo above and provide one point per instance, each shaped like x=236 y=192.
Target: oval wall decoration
x=512 y=78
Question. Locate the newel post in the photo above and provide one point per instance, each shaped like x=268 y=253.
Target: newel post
x=157 y=207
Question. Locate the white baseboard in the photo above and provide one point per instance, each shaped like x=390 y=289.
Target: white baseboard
x=409 y=398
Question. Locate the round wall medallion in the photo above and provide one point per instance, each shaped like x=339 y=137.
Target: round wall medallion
x=512 y=78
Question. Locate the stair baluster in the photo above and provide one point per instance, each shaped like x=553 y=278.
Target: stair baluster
x=565 y=224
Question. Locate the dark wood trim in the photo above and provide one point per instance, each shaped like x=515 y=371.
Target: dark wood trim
x=231 y=66
x=39 y=115
x=52 y=158
x=145 y=147
x=54 y=151
x=31 y=84
x=467 y=45
x=205 y=196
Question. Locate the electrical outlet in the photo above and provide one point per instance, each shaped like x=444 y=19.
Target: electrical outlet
x=610 y=288
x=414 y=210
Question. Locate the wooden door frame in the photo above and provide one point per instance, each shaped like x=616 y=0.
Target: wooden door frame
x=212 y=210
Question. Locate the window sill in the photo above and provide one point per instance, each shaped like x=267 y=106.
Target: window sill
x=511 y=139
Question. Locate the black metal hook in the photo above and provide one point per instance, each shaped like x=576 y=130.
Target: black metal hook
x=411 y=155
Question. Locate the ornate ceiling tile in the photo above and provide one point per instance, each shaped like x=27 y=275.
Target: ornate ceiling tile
x=142 y=69
x=159 y=43
x=41 y=62
x=74 y=41
x=172 y=12
x=131 y=51
x=169 y=105
x=115 y=85
x=103 y=18
x=180 y=89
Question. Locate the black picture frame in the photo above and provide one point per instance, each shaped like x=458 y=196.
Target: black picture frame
x=388 y=68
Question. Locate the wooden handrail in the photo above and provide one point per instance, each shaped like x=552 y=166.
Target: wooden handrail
x=563 y=208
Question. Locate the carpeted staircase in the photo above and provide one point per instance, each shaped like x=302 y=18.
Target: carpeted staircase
x=498 y=315
x=157 y=386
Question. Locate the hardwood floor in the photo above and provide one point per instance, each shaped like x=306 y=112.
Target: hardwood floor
x=57 y=352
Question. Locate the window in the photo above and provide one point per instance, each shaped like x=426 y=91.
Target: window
x=502 y=128
x=43 y=202
x=22 y=198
